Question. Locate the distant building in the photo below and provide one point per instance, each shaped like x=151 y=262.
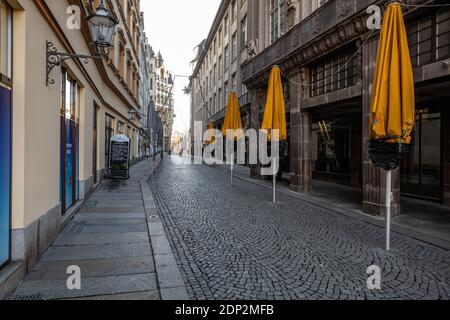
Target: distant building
x=161 y=87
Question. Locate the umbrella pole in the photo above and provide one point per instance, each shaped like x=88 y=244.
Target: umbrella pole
x=274 y=181
x=388 y=209
x=232 y=167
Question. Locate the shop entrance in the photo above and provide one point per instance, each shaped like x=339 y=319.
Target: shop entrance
x=5 y=173
x=69 y=142
x=6 y=85
x=421 y=172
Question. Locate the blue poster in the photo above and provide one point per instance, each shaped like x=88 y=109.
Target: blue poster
x=5 y=173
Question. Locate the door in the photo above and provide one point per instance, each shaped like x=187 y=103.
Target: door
x=94 y=145
x=421 y=173
x=5 y=173
x=69 y=142
x=109 y=133
x=5 y=129
x=69 y=167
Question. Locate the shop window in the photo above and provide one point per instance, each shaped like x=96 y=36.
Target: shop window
x=337 y=72
x=421 y=170
x=332 y=146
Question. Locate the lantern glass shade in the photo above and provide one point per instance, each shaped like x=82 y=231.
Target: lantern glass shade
x=102 y=26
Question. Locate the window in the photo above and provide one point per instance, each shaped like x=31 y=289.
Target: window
x=321 y=3
x=276 y=19
x=429 y=37
x=211 y=78
x=225 y=25
x=234 y=46
x=120 y=127
x=332 y=146
x=443 y=33
x=244 y=34
x=227 y=57
x=71 y=97
x=233 y=82
x=5 y=40
x=244 y=89
x=225 y=93
x=234 y=10
x=335 y=73
x=219 y=71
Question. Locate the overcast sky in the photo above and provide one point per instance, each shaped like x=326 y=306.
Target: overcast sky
x=175 y=27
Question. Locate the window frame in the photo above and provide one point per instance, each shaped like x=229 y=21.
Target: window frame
x=6 y=79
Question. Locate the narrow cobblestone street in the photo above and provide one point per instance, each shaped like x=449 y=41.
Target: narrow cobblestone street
x=231 y=242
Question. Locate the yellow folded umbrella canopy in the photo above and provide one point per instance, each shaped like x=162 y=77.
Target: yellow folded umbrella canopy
x=233 y=120
x=211 y=138
x=393 y=102
x=275 y=112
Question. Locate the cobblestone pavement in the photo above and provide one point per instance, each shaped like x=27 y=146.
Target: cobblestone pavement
x=233 y=243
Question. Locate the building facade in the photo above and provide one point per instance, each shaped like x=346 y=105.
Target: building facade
x=164 y=97
x=57 y=132
x=327 y=56
x=217 y=65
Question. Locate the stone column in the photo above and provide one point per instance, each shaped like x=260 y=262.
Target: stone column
x=445 y=116
x=301 y=132
x=255 y=170
x=356 y=150
x=374 y=179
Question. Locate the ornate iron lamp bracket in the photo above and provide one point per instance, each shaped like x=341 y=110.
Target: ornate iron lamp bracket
x=55 y=58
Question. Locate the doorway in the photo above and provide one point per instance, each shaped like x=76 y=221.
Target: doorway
x=94 y=143
x=421 y=172
x=69 y=142
x=109 y=133
x=6 y=17
x=5 y=174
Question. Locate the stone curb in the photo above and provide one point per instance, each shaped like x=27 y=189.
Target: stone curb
x=170 y=281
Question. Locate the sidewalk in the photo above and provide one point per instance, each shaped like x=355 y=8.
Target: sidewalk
x=428 y=222
x=110 y=241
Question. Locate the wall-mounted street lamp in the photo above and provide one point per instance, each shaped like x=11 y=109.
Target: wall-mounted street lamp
x=133 y=115
x=101 y=25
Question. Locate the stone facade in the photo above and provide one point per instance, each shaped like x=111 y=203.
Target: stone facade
x=310 y=39
x=217 y=66
x=163 y=95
